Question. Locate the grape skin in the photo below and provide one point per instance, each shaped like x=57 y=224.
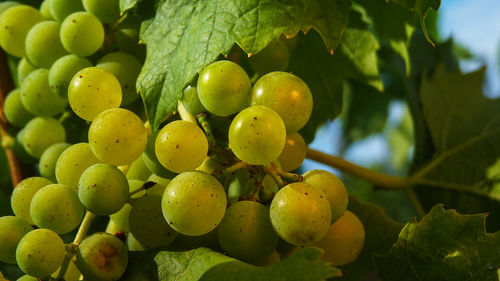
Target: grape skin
x=43 y=46
x=151 y=161
x=56 y=207
x=24 y=68
x=40 y=133
x=102 y=256
x=191 y=101
x=117 y=136
x=107 y=11
x=103 y=189
x=92 y=91
x=344 y=240
x=194 y=203
x=224 y=88
x=138 y=170
x=274 y=57
x=40 y=252
x=60 y=9
x=290 y=219
x=63 y=70
x=293 y=153
x=23 y=194
x=48 y=160
x=15 y=23
x=45 y=10
x=181 y=146
x=72 y=162
x=257 y=135
x=82 y=34
x=246 y=232
x=12 y=229
x=14 y=110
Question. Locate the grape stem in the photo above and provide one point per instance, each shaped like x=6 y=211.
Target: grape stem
x=270 y=170
x=71 y=248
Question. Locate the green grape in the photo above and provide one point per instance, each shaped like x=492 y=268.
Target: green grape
x=293 y=153
x=344 y=240
x=209 y=240
x=127 y=37
x=63 y=70
x=194 y=203
x=121 y=218
x=138 y=170
x=92 y=91
x=72 y=162
x=23 y=193
x=6 y=5
x=151 y=161
x=43 y=46
x=12 y=229
x=103 y=189
x=240 y=186
x=27 y=278
x=224 y=88
x=286 y=94
x=14 y=110
x=82 y=33
x=45 y=10
x=40 y=133
x=181 y=146
x=117 y=136
x=274 y=57
x=332 y=187
x=107 y=11
x=135 y=185
x=126 y=69
x=72 y=272
x=246 y=232
x=147 y=223
x=60 y=9
x=24 y=68
x=56 y=207
x=102 y=256
x=20 y=152
x=191 y=101
x=48 y=160
x=159 y=187
x=37 y=96
x=257 y=135
x=40 y=252
x=300 y=214
x=15 y=23
x=133 y=244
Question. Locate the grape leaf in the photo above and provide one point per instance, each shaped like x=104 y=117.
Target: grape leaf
x=204 y=264
x=380 y=234
x=444 y=245
x=186 y=35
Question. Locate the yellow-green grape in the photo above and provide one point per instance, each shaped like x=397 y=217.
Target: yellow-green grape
x=60 y=9
x=344 y=240
x=332 y=187
x=14 y=110
x=138 y=170
x=56 y=207
x=191 y=101
x=40 y=253
x=12 y=229
x=136 y=185
x=48 y=160
x=147 y=223
x=274 y=57
x=194 y=203
x=24 y=68
x=121 y=218
x=23 y=193
x=151 y=161
x=133 y=244
x=300 y=214
x=92 y=91
x=108 y=11
x=37 y=96
x=40 y=133
x=43 y=46
x=224 y=88
x=103 y=189
x=293 y=153
x=246 y=232
x=82 y=34
x=286 y=94
x=257 y=135
x=15 y=23
x=45 y=10
x=63 y=70
x=102 y=256
x=181 y=146
x=4 y=5
x=117 y=136
x=21 y=152
x=72 y=162
x=126 y=69
x=159 y=187
x=72 y=272
x=27 y=278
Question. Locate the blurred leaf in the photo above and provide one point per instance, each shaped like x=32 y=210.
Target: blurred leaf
x=204 y=264
x=444 y=245
x=400 y=139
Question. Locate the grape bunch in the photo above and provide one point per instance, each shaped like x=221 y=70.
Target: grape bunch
x=219 y=174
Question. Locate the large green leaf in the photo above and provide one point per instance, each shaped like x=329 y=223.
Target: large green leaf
x=186 y=35
x=444 y=245
x=204 y=264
